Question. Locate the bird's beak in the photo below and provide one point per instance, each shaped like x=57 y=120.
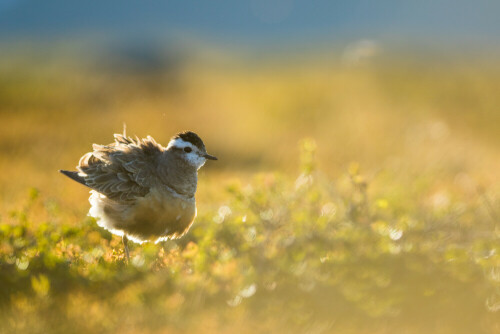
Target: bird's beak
x=210 y=157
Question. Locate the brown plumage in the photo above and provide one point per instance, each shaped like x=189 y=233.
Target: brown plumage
x=140 y=189
x=123 y=170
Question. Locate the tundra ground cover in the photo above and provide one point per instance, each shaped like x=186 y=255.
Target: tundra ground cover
x=347 y=199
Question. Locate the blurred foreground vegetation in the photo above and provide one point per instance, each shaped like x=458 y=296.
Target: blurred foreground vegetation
x=386 y=219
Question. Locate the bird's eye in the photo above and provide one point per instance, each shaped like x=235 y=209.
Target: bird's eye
x=187 y=149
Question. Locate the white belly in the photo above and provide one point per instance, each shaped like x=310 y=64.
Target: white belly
x=157 y=216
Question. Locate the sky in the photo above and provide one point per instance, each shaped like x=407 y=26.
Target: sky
x=256 y=22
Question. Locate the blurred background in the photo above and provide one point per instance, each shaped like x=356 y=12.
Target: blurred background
x=371 y=82
x=405 y=91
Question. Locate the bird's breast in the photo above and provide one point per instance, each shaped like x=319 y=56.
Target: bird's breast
x=162 y=214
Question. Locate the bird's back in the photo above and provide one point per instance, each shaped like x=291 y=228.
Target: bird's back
x=123 y=171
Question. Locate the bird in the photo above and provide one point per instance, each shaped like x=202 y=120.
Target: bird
x=140 y=190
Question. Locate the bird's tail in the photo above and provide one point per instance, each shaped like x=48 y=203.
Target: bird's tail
x=74 y=176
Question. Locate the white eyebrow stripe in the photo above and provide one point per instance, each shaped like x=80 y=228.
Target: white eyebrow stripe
x=179 y=143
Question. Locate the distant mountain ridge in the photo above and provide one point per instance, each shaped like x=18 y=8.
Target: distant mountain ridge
x=257 y=20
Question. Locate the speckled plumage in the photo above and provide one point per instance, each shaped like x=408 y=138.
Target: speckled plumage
x=142 y=190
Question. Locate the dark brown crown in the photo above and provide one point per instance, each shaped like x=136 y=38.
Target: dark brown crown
x=191 y=137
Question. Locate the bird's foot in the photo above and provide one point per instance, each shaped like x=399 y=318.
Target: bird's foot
x=125 y=244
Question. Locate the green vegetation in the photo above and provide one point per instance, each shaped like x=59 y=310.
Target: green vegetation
x=287 y=239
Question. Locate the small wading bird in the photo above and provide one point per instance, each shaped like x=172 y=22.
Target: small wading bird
x=141 y=190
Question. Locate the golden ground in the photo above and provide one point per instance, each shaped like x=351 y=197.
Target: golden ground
x=423 y=133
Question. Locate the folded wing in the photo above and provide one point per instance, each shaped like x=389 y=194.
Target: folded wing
x=123 y=170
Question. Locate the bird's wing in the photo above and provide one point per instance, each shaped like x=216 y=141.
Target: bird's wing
x=123 y=170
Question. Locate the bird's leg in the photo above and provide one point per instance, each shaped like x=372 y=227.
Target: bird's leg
x=125 y=244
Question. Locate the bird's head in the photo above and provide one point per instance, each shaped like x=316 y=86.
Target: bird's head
x=189 y=146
